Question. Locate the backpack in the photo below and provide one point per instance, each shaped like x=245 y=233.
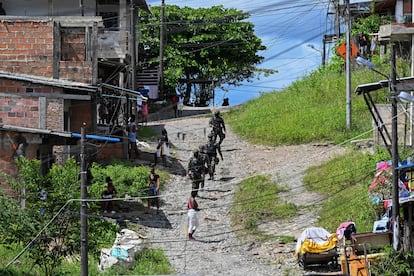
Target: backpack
x=194 y=166
x=210 y=149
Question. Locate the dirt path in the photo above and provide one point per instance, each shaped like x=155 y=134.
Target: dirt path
x=217 y=251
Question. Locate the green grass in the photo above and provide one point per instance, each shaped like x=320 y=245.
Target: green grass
x=345 y=180
x=146 y=133
x=148 y=262
x=312 y=109
x=256 y=201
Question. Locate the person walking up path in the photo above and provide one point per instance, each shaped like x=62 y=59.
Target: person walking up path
x=193 y=222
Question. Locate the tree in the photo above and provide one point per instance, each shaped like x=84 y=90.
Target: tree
x=204 y=48
x=52 y=219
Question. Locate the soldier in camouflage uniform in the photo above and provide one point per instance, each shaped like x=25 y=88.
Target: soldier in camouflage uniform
x=212 y=149
x=218 y=127
x=204 y=161
x=195 y=172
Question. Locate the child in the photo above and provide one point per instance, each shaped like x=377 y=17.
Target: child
x=192 y=215
x=154 y=186
x=109 y=193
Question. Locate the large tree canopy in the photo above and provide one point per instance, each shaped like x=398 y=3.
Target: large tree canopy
x=206 y=47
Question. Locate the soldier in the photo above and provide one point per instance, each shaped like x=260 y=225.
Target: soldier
x=204 y=163
x=218 y=127
x=194 y=172
x=212 y=149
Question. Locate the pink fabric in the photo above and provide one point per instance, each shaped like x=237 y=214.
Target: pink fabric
x=383 y=166
x=341 y=229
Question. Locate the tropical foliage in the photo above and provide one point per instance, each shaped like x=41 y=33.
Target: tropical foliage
x=204 y=48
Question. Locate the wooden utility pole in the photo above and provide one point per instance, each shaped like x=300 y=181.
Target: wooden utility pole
x=161 y=64
x=84 y=207
x=348 y=68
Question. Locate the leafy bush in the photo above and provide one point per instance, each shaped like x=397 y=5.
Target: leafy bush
x=393 y=263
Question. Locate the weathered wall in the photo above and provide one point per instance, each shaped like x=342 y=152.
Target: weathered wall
x=19 y=108
x=27 y=47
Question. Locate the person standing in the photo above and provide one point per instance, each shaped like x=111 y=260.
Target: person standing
x=204 y=162
x=193 y=222
x=175 y=104
x=103 y=113
x=2 y=11
x=154 y=187
x=144 y=113
x=162 y=151
x=194 y=172
x=363 y=44
x=108 y=195
x=373 y=45
x=132 y=138
x=180 y=104
x=212 y=149
x=218 y=127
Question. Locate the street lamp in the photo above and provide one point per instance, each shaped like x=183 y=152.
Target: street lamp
x=318 y=50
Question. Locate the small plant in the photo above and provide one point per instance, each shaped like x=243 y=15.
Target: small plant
x=393 y=263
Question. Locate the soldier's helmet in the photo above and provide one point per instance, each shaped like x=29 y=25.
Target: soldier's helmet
x=217 y=113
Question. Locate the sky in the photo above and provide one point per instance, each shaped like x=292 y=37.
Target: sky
x=291 y=30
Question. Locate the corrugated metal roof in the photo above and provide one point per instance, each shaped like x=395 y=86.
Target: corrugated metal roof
x=56 y=133
x=50 y=81
x=122 y=90
x=35 y=130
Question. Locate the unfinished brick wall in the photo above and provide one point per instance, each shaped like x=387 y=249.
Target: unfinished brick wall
x=21 y=109
x=55 y=114
x=26 y=47
x=80 y=71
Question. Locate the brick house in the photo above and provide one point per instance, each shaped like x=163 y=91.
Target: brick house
x=55 y=58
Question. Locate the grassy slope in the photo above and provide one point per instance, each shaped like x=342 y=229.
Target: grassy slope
x=314 y=110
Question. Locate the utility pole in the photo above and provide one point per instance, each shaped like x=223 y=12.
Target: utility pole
x=337 y=19
x=132 y=55
x=348 y=68
x=132 y=40
x=84 y=207
x=411 y=113
x=82 y=10
x=394 y=146
x=161 y=65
